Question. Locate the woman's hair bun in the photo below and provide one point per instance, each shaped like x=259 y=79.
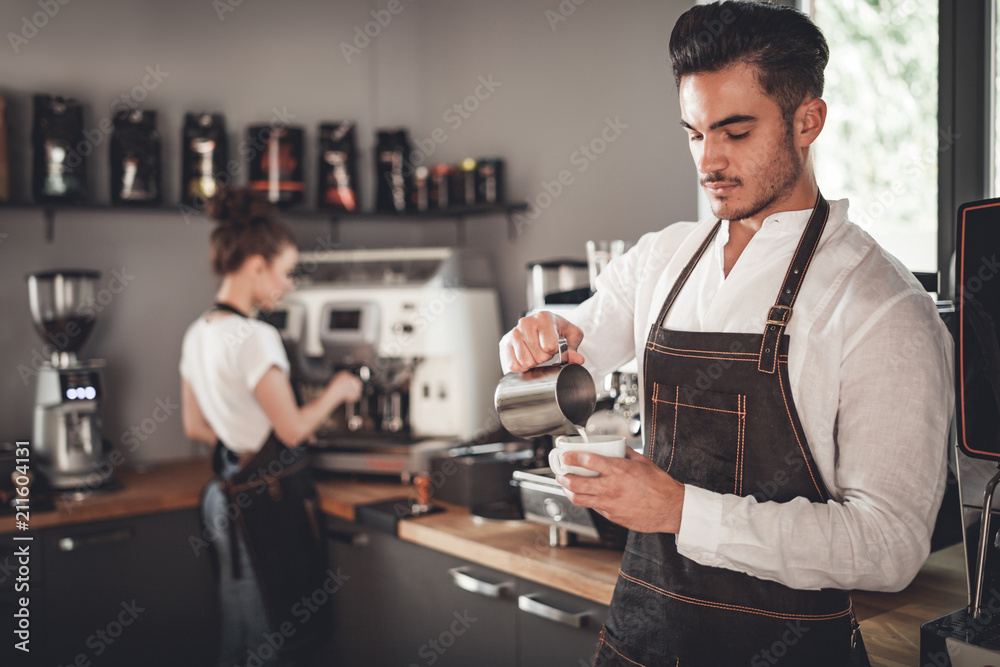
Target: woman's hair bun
x=238 y=208
x=247 y=225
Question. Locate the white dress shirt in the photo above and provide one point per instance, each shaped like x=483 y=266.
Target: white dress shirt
x=870 y=365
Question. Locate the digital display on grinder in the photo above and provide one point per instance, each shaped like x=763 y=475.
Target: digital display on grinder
x=80 y=386
x=345 y=319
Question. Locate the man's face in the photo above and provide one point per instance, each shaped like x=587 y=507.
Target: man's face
x=742 y=148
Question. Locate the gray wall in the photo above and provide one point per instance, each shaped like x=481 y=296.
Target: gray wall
x=557 y=88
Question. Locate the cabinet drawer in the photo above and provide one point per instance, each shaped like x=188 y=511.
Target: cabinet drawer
x=555 y=628
x=115 y=590
x=407 y=605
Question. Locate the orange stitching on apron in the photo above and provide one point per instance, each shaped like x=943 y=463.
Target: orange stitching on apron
x=733 y=607
x=743 y=437
x=738 y=486
x=607 y=642
x=645 y=384
x=740 y=412
x=652 y=439
x=783 y=359
x=600 y=644
x=742 y=445
x=681 y=349
x=696 y=407
x=791 y=422
x=673 y=441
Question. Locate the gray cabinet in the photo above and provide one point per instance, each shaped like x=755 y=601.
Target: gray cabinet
x=399 y=606
x=132 y=591
x=404 y=605
x=555 y=628
x=126 y=592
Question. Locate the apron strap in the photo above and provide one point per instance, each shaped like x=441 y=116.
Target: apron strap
x=781 y=312
x=681 y=280
x=219 y=305
x=220 y=456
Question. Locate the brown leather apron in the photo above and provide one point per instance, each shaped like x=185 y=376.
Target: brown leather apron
x=719 y=415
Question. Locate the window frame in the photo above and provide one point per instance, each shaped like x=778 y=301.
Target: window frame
x=965 y=108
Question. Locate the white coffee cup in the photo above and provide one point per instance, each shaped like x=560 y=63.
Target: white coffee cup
x=605 y=445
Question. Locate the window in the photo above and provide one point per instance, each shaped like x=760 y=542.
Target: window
x=881 y=146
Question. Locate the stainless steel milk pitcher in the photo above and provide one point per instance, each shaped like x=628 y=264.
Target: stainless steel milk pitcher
x=551 y=398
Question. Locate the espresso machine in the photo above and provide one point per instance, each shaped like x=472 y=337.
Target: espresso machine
x=66 y=429
x=420 y=327
x=971 y=636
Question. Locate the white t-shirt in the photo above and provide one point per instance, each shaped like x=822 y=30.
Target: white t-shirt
x=223 y=360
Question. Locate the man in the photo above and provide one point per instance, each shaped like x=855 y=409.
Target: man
x=797 y=381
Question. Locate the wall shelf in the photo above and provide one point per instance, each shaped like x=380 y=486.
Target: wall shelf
x=458 y=213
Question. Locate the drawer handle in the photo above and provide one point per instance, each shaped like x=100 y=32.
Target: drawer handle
x=79 y=542
x=530 y=604
x=467 y=582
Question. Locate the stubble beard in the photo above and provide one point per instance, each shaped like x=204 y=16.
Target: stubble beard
x=787 y=167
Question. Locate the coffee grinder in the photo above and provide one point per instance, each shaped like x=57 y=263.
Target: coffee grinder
x=66 y=431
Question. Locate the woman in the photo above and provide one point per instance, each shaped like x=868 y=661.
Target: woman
x=235 y=392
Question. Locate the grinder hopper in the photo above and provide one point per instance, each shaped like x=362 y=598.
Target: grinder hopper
x=57 y=300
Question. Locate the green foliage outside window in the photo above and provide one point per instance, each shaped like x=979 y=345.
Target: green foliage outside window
x=881 y=144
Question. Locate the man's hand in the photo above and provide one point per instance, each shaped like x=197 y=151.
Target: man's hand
x=536 y=338
x=632 y=492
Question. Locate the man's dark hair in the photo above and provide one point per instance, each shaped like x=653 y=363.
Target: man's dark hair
x=781 y=43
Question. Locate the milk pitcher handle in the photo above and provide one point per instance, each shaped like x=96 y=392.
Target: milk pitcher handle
x=560 y=357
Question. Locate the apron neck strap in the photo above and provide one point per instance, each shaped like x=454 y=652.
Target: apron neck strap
x=219 y=305
x=781 y=311
x=683 y=278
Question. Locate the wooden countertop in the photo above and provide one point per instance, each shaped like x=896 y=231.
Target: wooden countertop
x=519 y=548
x=890 y=622
x=160 y=488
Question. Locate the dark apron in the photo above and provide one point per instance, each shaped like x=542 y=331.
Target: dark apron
x=278 y=519
x=719 y=415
